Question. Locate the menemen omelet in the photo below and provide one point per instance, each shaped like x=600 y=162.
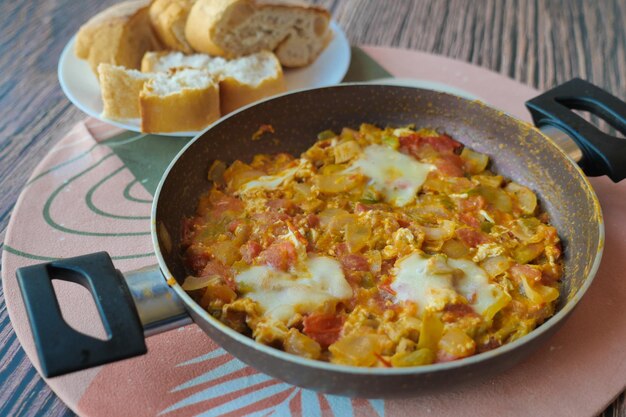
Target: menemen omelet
x=378 y=247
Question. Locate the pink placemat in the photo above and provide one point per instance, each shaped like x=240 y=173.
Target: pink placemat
x=91 y=193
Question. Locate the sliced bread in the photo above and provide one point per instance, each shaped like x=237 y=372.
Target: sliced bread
x=185 y=99
x=250 y=78
x=120 y=88
x=119 y=35
x=164 y=61
x=242 y=80
x=231 y=28
x=168 y=18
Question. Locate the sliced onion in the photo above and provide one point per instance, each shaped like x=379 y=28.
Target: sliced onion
x=443 y=232
x=357 y=235
x=489 y=180
x=327 y=215
x=196 y=283
x=496 y=265
x=345 y=151
x=475 y=162
x=336 y=183
x=538 y=293
x=525 y=197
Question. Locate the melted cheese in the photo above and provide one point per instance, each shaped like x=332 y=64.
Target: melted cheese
x=281 y=295
x=486 y=298
x=417 y=281
x=431 y=283
x=398 y=177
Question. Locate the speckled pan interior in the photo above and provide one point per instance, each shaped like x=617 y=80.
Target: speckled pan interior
x=517 y=150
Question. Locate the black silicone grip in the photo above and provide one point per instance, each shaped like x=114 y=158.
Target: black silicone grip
x=603 y=154
x=60 y=348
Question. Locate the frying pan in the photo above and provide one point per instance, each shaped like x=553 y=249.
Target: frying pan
x=149 y=301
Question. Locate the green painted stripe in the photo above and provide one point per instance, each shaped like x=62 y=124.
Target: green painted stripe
x=128 y=196
x=147 y=159
x=62 y=164
x=48 y=218
x=27 y=255
x=92 y=206
x=114 y=141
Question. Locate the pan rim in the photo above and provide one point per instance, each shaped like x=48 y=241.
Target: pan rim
x=554 y=320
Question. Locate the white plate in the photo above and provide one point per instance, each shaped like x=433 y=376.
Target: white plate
x=81 y=86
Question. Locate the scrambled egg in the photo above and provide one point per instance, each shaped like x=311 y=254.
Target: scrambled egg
x=377 y=247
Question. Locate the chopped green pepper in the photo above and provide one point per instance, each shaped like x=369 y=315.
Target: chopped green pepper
x=326 y=134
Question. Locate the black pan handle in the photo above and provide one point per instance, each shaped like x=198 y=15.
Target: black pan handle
x=62 y=349
x=603 y=154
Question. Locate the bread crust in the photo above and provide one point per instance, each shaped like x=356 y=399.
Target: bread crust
x=234 y=94
x=202 y=23
x=191 y=109
x=211 y=25
x=150 y=59
x=169 y=18
x=119 y=35
x=120 y=89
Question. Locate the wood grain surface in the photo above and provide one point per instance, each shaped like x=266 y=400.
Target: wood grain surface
x=538 y=43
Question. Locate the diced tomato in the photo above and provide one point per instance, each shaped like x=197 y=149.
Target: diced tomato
x=281 y=204
x=404 y=223
x=472 y=237
x=551 y=273
x=269 y=217
x=452 y=312
x=520 y=271
x=342 y=250
x=188 y=230
x=450 y=165
x=323 y=328
x=271 y=223
x=312 y=220
x=353 y=265
x=215 y=267
x=469 y=219
x=415 y=144
x=221 y=203
x=280 y=254
x=232 y=226
x=354 y=262
x=196 y=259
x=387 y=265
x=473 y=202
x=350 y=261
x=250 y=250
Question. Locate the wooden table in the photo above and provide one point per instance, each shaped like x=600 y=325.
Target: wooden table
x=537 y=43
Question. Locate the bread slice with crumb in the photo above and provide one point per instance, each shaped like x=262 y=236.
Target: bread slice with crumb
x=296 y=33
x=250 y=78
x=164 y=61
x=242 y=80
x=119 y=35
x=120 y=88
x=185 y=99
